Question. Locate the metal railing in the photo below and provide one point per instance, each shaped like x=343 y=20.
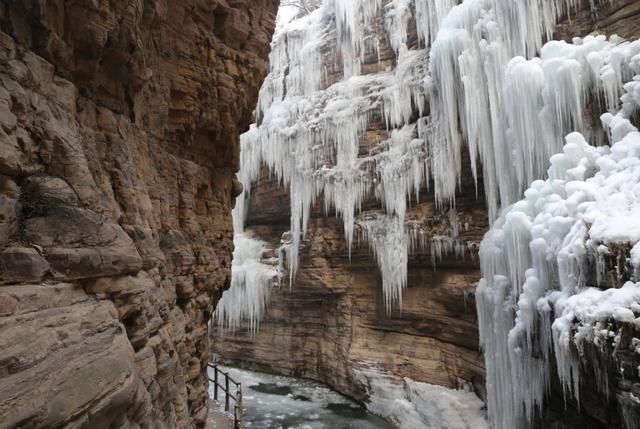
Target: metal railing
x=218 y=374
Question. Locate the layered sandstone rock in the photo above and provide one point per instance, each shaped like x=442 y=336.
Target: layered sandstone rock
x=333 y=320
x=119 y=126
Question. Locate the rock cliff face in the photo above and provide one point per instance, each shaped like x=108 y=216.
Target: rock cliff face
x=333 y=320
x=119 y=125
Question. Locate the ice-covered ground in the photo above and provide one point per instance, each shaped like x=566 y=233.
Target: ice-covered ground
x=276 y=402
x=411 y=404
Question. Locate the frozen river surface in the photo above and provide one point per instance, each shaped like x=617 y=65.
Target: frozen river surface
x=275 y=402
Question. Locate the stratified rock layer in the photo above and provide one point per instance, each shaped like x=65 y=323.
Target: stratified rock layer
x=119 y=126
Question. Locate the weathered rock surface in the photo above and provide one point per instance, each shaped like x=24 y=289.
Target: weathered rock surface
x=333 y=319
x=119 y=126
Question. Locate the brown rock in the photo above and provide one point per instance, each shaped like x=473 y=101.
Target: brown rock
x=12 y=161
x=22 y=264
x=118 y=150
x=146 y=363
x=70 y=364
x=8 y=305
x=108 y=285
x=184 y=287
x=50 y=189
x=9 y=208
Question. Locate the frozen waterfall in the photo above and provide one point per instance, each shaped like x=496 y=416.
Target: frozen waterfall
x=483 y=80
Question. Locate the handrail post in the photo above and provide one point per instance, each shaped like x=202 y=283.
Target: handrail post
x=215 y=382
x=226 y=390
x=239 y=413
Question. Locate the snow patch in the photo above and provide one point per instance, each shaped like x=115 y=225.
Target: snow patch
x=412 y=404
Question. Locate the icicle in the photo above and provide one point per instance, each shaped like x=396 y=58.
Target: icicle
x=474 y=101
x=495 y=320
x=251 y=283
x=386 y=236
x=397 y=16
x=403 y=93
x=353 y=18
x=429 y=14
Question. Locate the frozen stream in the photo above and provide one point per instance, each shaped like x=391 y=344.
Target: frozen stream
x=275 y=402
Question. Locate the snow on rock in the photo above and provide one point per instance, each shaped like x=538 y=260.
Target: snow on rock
x=412 y=404
x=540 y=259
x=587 y=317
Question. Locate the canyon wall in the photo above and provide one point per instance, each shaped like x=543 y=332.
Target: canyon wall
x=119 y=126
x=333 y=321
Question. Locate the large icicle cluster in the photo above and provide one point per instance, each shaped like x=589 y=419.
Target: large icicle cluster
x=308 y=134
x=251 y=283
x=546 y=255
x=482 y=91
x=511 y=112
x=482 y=80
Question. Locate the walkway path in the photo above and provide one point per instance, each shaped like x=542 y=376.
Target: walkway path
x=218 y=419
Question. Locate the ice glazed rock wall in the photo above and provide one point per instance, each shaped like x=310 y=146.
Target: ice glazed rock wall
x=119 y=125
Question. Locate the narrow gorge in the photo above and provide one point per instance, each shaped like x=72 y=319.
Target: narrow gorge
x=440 y=211
x=422 y=214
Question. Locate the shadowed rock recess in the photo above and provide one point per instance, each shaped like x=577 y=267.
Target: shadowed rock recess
x=333 y=320
x=119 y=125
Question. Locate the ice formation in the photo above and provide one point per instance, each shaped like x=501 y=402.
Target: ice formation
x=317 y=155
x=251 y=283
x=475 y=82
x=544 y=259
x=386 y=236
x=412 y=404
x=481 y=80
x=510 y=111
x=308 y=132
